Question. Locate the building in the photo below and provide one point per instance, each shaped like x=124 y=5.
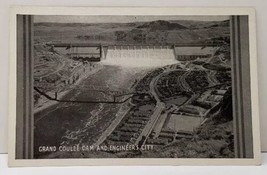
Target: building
x=85 y=53
x=192 y=53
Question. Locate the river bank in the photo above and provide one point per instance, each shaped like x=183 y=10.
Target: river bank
x=45 y=103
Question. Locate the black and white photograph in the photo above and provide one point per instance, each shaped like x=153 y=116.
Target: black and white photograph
x=134 y=86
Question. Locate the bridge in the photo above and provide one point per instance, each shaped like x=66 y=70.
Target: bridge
x=118 y=98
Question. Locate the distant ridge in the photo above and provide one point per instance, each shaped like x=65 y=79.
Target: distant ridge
x=162 y=25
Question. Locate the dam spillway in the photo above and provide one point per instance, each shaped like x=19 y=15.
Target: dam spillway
x=140 y=56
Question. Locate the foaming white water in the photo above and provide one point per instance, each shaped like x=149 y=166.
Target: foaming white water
x=140 y=57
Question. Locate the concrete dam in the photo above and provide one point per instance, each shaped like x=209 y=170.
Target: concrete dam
x=139 y=56
x=135 y=55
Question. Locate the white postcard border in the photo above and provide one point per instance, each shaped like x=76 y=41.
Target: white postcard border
x=30 y=10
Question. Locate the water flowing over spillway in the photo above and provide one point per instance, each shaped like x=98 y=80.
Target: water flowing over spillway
x=140 y=56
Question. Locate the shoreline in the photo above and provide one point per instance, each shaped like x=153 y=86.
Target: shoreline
x=50 y=103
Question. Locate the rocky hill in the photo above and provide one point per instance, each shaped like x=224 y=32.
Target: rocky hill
x=154 y=32
x=161 y=25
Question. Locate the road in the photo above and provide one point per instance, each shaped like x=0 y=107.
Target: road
x=156 y=114
x=212 y=78
x=161 y=122
x=151 y=123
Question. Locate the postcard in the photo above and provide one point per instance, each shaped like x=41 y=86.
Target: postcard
x=133 y=86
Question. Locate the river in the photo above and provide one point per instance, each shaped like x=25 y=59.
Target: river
x=78 y=123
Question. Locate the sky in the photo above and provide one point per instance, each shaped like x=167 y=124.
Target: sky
x=119 y=19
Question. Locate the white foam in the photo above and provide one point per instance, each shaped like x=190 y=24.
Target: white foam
x=142 y=57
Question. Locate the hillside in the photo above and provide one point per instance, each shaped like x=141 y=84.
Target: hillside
x=154 y=32
x=162 y=25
